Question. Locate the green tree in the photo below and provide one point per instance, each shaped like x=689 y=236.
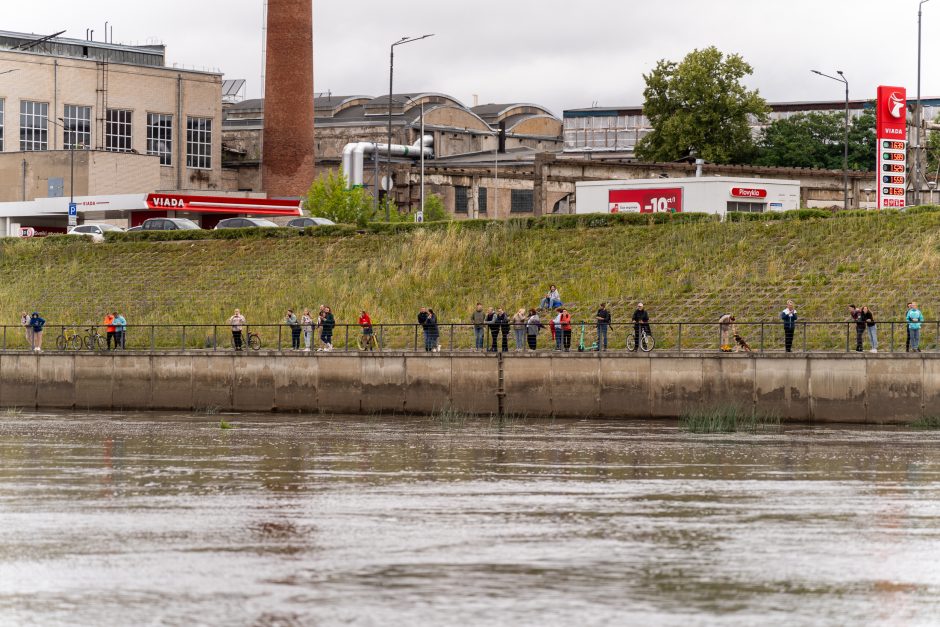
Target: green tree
x=434 y=209
x=329 y=198
x=700 y=104
x=817 y=140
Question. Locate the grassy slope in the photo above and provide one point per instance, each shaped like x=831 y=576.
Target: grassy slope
x=682 y=271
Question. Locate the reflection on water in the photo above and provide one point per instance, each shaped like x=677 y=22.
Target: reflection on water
x=145 y=519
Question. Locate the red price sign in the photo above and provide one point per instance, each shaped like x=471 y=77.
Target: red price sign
x=893 y=191
x=896 y=168
x=664 y=200
x=894 y=156
x=893 y=180
x=894 y=145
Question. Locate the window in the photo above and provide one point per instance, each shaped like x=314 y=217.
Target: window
x=481 y=199
x=77 y=131
x=746 y=207
x=1 y=124
x=461 y=199
x=118 y=133
x=521 y=201
x=199 y=143
x=34 y=124
x=160 y=137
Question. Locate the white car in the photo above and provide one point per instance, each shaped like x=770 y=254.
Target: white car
x=96 y=231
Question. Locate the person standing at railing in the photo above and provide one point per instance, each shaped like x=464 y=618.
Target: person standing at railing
x=556 y=331
x=565 y=321
x=423 y=323
x=725 y=329
x=907 y=345
x=789 y=318
x=856 y=313
x=36 y=324
x=532 y=327
x=490 y=321
x=518 y=328
x=501 y=325
x=641 y=320
x=478 y=318
x=914 y=320
x=431 y=332
x=237 y=321
x=872 y=327
x=120 y=330
x=294 y=324
x=306 y=323
x=326 y=328
x=27 y=330
x=365 y=323
x=603 y=324
x=108 y=324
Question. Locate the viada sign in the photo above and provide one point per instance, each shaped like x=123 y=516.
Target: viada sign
x=892 y=147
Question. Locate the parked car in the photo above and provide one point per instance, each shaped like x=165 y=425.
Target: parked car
x=134 y=229
x=245 y=223
x=302 y=223
x=168 y=224
x=96 y=231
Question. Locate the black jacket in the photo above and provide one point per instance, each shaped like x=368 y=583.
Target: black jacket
x=641 y=315
x=603 y=316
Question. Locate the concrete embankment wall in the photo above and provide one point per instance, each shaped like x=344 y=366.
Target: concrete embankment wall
x=813 y=387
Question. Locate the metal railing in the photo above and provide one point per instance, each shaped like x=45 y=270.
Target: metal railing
x=762 y=337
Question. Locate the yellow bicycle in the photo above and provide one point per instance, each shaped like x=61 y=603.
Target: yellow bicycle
x=69 y=339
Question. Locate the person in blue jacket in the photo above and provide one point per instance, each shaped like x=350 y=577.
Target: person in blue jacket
x=120 y=330
x=36 y=324
x=914 y=321
x=789 y=318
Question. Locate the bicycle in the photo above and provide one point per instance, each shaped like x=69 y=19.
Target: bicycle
x=251 y=340
x=647 y=343
x=69 y=339
x=94 y=341
x=367 y=341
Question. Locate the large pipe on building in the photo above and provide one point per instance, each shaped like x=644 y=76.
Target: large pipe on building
x=354 y=156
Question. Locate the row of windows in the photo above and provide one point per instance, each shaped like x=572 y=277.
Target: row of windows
x=746 y=207
x=76 y=132
x=520 y=200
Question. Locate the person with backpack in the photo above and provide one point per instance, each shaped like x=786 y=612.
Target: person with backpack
x=532 y=327
x=914 y=321
x=789 y=318
x=565 y=321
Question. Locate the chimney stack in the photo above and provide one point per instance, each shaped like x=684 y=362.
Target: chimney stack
x=288 y=161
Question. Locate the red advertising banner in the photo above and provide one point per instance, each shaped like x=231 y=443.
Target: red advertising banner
x=892 y=147
x=748 y=192
x=664 y=200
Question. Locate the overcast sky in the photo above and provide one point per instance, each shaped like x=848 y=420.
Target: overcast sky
x=558 y=53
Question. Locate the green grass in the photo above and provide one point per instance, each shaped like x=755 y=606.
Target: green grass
x=726 y=419
x=928 y=423
x=688 y=268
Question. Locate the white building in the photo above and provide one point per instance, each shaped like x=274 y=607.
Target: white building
x=718 y=195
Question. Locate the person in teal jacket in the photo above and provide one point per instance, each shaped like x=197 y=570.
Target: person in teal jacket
x=914 y=321
x=120 y=330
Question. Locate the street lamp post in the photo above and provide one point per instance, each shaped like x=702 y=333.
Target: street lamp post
x=918 y=111
x=391 y=83
x=845 y=154
x=71 y=160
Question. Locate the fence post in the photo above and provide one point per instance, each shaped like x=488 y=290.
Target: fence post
x=848 y=340
x=184 y=338
x=679 y=340
x=892 y=337
x=153 y=339
x=215 y=337
x=452 y=336
x=4 y=337
x=416 y=339
x=279 y=338
x=762 y=337
x=347 y=338
x=804 y=337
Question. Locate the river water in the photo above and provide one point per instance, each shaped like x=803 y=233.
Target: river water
x=153 y=520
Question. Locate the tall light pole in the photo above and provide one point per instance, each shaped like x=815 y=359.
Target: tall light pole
x=918 y=111
x=391 y=84
x=845 y=154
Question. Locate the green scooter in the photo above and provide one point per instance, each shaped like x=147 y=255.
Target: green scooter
x=582 y=348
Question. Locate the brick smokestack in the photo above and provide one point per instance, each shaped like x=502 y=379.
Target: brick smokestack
x=288 y=160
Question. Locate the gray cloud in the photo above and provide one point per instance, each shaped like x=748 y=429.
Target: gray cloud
x=559 y=53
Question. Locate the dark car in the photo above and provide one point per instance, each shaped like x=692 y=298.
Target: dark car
x=302 y=223
x=169 y=224
x=245 y=223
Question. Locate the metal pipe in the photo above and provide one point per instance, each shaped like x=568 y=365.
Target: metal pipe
x=354 y=156
x=918 y=111
x=179 y=132
x=421 y=134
